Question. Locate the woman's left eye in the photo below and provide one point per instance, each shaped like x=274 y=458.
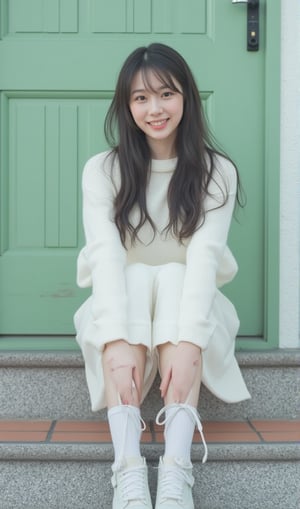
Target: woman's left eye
x=168 y=94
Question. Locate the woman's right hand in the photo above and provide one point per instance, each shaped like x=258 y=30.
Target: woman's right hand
x=120 y=359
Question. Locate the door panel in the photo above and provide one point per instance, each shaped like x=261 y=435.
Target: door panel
x=59 y=63
x=42 y=223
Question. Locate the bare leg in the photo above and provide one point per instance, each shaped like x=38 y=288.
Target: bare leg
x=123 y=367
x=127 y=368
x=167 y=352
x=181 y=369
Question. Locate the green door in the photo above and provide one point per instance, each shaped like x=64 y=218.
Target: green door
x=58 y=62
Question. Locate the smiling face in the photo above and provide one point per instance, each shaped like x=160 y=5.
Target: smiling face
x=157 y=110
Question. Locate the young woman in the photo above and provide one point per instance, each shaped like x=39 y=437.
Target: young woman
x=157 y=209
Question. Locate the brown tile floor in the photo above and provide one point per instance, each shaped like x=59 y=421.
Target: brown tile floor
x=98 y=432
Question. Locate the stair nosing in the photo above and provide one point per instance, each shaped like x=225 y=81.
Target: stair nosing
x=104 y=452
x=62 y=359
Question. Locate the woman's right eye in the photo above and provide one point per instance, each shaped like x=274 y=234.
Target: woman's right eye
x=140 y=98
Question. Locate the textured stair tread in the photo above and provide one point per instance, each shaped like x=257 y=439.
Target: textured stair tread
x=52 y=385
x=65 y=358
x=68 y=464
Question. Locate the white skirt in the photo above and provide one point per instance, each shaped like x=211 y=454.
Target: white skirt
x=154 y=294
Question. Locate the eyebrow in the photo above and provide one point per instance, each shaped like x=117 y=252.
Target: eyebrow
x=139 y=90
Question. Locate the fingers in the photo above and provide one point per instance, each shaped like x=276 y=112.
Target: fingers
x=123 y=366
x=137 y=385
x=181 y=391
x=180 y=368
x=122 y=378
x=165 y=383
x=128 y=385
x=174 y=387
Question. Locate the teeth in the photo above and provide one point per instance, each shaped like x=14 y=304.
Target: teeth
x=159 y=122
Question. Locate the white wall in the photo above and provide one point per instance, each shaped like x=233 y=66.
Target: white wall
x=290 y=176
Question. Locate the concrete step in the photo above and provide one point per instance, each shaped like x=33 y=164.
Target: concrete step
x=66 y=465
x=51 y=385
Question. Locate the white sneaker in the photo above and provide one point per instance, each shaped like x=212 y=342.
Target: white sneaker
x=175 y=482
x=130 y=484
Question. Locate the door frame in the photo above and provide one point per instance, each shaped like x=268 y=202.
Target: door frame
x=270 y=338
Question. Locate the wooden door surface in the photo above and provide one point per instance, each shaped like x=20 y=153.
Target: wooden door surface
x=59 y=61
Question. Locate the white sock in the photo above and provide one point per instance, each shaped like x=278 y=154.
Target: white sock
x=179 y=432
x=125 y=428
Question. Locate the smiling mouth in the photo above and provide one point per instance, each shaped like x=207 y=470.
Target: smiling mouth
x=157 y=123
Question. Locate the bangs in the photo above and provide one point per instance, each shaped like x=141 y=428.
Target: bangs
x=165 y=77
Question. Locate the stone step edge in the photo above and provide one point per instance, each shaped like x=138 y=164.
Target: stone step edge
x=64 y=359
x=271 y=451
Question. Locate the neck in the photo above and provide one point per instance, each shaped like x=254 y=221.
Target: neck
x=162 y=150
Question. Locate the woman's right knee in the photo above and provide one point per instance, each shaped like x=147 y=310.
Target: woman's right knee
x=171 y=272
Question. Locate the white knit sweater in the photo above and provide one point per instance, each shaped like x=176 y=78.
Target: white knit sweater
x=101 y=263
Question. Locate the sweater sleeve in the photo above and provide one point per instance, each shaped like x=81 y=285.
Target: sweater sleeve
x=204 y=255
x=102 y=261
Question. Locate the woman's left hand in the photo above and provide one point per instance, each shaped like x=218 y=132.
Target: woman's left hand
x=182 y=370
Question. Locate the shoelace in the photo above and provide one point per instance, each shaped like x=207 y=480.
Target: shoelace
x=173 y=480
x=192 y=411
x=132 y=483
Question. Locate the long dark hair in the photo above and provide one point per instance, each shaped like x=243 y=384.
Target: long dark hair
x=195 y=150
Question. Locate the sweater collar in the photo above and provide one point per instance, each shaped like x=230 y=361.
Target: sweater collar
x=163 y=165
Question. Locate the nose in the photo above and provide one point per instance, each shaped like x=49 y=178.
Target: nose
x=155 y=106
